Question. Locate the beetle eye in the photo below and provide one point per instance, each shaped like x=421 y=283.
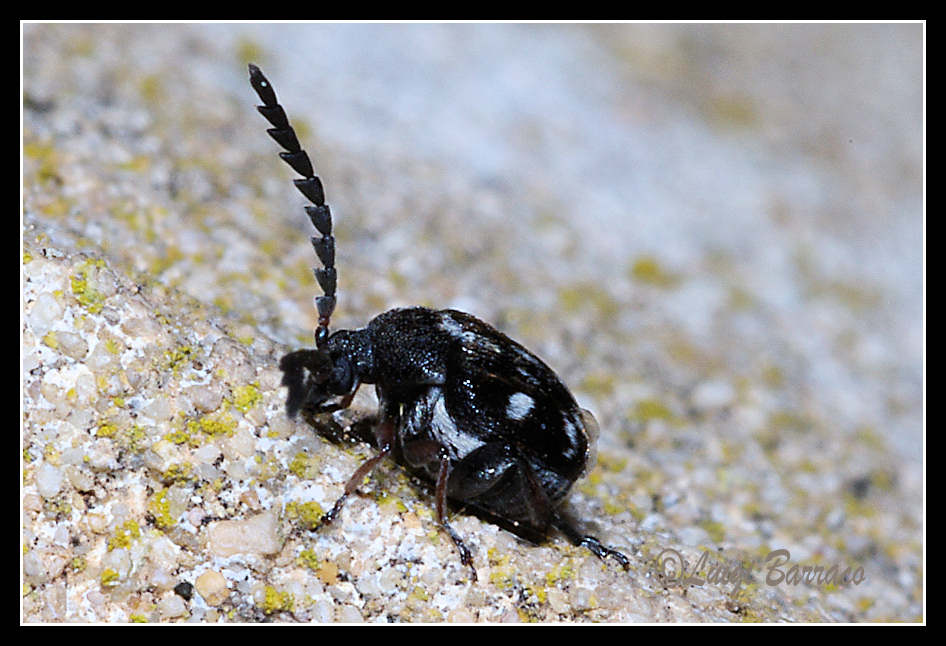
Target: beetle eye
x=341 y=375
x=319 y=365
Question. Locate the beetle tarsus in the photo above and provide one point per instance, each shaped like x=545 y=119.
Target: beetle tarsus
x=441 y=499
x=591 y=543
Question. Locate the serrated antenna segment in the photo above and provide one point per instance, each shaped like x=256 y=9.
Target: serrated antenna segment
x=311 y=187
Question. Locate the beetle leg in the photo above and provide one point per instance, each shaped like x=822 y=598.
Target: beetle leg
x=592 y=543
x=385 y=436
x=421 y=453
x=341 y=404
x=465 y=557
x=497 y=480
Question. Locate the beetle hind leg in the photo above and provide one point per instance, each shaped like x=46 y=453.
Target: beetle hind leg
x=465 y=557
x=496 y=479
x=584 y=540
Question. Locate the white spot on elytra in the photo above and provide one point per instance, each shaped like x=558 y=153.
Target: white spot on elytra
x=444 y=427
x=469 y=340
x=520 y=405
x=450 y=326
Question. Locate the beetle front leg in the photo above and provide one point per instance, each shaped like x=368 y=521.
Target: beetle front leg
x=341 y=404
x=385 y=436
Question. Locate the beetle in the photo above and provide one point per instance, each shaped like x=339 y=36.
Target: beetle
x=460 y=403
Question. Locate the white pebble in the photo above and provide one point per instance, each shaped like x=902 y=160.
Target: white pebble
x=158 y=409
x=72 y=345
x=45 y=313
x=258 y=534
x=33 y=567
x=205 y=399
x=171 y=606
x=164 y=552
x=348 y=615
x=48 y=480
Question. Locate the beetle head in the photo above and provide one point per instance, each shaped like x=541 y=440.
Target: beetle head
x=335 y=369
x=313 y=377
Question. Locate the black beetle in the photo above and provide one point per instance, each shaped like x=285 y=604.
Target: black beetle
x=461 y=403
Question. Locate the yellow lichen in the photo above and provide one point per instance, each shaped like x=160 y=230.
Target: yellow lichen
x=598 y=384
x=48 y=160
x=151 y=88
x=109 y=578
x=219 y=424
x=137 y=164
x=52 y=455
x=177 y=357
x=130 y=438
x=111 y=346
x=651 y=409
x=124 y=535
x=160 y=508
x=609 y=462
x=501 y=574
x=385 y=499
x=303 y=465
x=246 y=397
x=178 y=436
x=612 y=506
x=276 y=601
x=88 y=297
x=540 y=593
x=307 y=514
x=716 y=530
x=248 y=50
x=106 y=429
x=178 y=472
x=787 y=420
x=420 y=593
x=586 y=296
x=309 y=559
x=563 y=572
x=647 y=270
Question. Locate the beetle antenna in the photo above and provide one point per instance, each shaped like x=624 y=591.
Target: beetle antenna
x=311 y=188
